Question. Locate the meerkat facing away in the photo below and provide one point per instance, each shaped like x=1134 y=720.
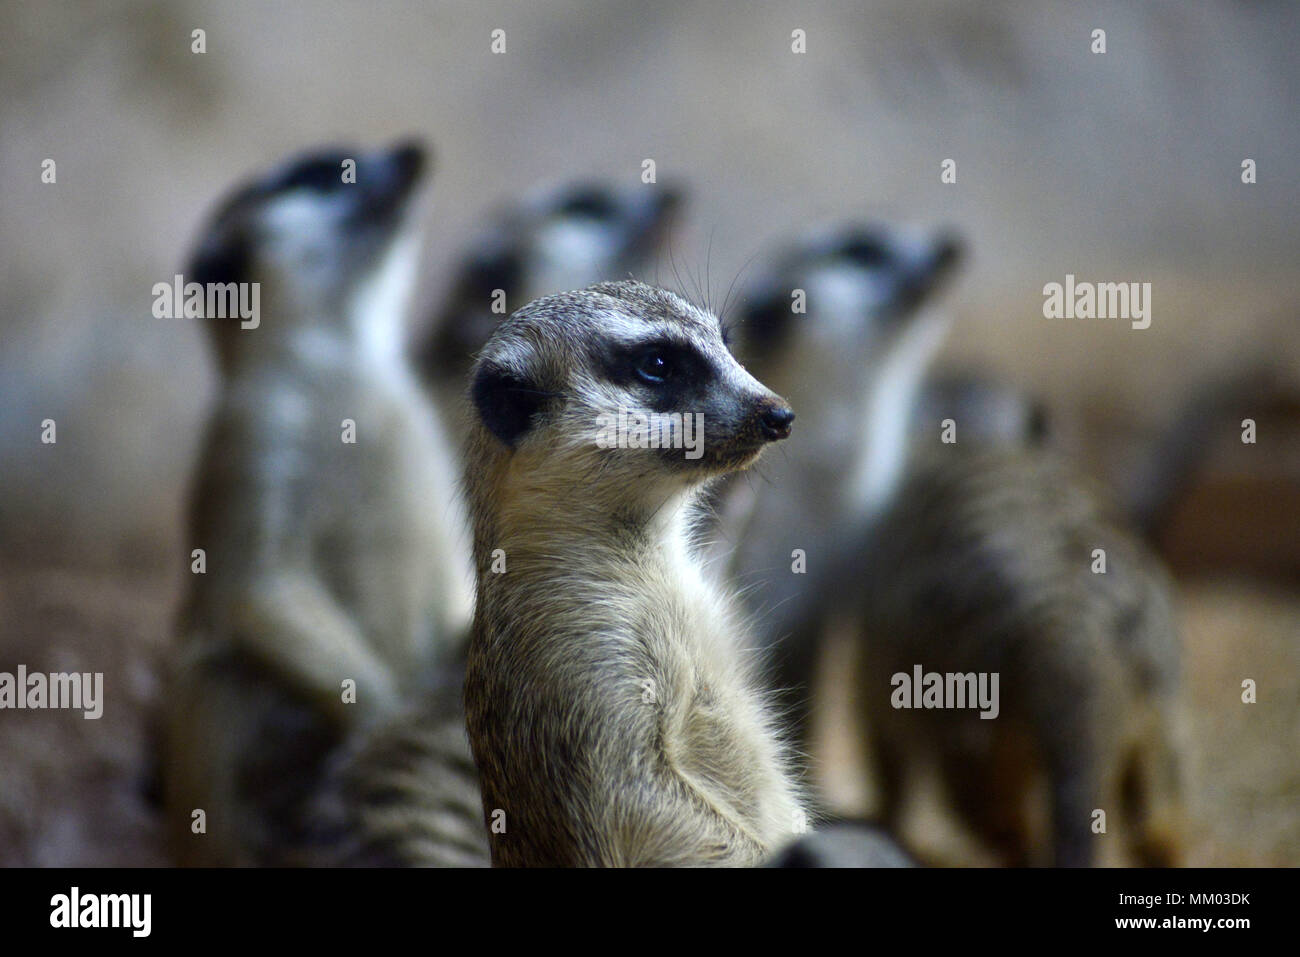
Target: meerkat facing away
x=554 y=239
x=1002 y=562
x=325 y=503
x=961 y=543
x=610 y=707
x=853 y=361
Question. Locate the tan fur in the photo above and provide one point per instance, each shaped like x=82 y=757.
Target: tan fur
x=984 y=564
x=611 y=706
x=326 y=561
x=852 y=365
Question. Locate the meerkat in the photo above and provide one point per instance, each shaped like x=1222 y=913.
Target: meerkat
x=554 y=239
x=325 y=507
x=897 y=555
x=840 y=323
x=610 y=704
x=993 y=561
x=402 y=794
x=399 y=794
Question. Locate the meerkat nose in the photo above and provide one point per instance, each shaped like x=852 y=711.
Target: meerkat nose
x=776 y=422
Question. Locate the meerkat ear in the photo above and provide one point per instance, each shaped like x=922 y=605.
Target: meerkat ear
x=506 y=402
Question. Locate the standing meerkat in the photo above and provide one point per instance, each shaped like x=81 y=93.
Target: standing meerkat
x=406 y=793
x=325 y=503
x=989 y=560
x=974 y=557
x=610 y=704
x=840 y=324
x=1001 y=561
x=554 y=239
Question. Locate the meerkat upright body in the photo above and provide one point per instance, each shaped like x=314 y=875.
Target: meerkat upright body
x=610 y=703
x=324 y=503
x=852 y=361
x=996 y=558
x=1000 y=561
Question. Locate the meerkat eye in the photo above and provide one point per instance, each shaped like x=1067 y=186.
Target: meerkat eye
x=654 y=366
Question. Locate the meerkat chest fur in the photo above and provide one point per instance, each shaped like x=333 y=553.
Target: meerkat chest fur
x=654 y=651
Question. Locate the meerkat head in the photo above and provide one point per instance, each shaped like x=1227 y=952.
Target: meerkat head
x=840 y=299
x=985 y=409
x=839 y=325
x=326 y=236
x=555 y=239
x=623 y=392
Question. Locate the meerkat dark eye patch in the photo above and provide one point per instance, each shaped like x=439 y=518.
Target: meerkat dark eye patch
x=507 y=403
x=867 y=251
x=670 y=374
x=223 y=257
x=654 y=366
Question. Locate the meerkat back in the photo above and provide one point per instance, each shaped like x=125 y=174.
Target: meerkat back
x=1003 y=562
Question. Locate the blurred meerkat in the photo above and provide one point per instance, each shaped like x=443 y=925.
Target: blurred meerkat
x=854 y=363
x=325 y=503
x=556 y=238
x=906 y=527
x=990 y=562
x=402 y=794
x=610 y=707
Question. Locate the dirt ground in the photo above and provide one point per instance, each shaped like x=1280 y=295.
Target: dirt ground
x=75 y=791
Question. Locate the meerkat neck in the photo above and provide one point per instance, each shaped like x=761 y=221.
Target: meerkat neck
x=887 y=412
x=362 y=327
x=536 y=529
x=378 y=308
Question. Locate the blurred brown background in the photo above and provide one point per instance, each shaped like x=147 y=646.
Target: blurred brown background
x=1117 y=167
